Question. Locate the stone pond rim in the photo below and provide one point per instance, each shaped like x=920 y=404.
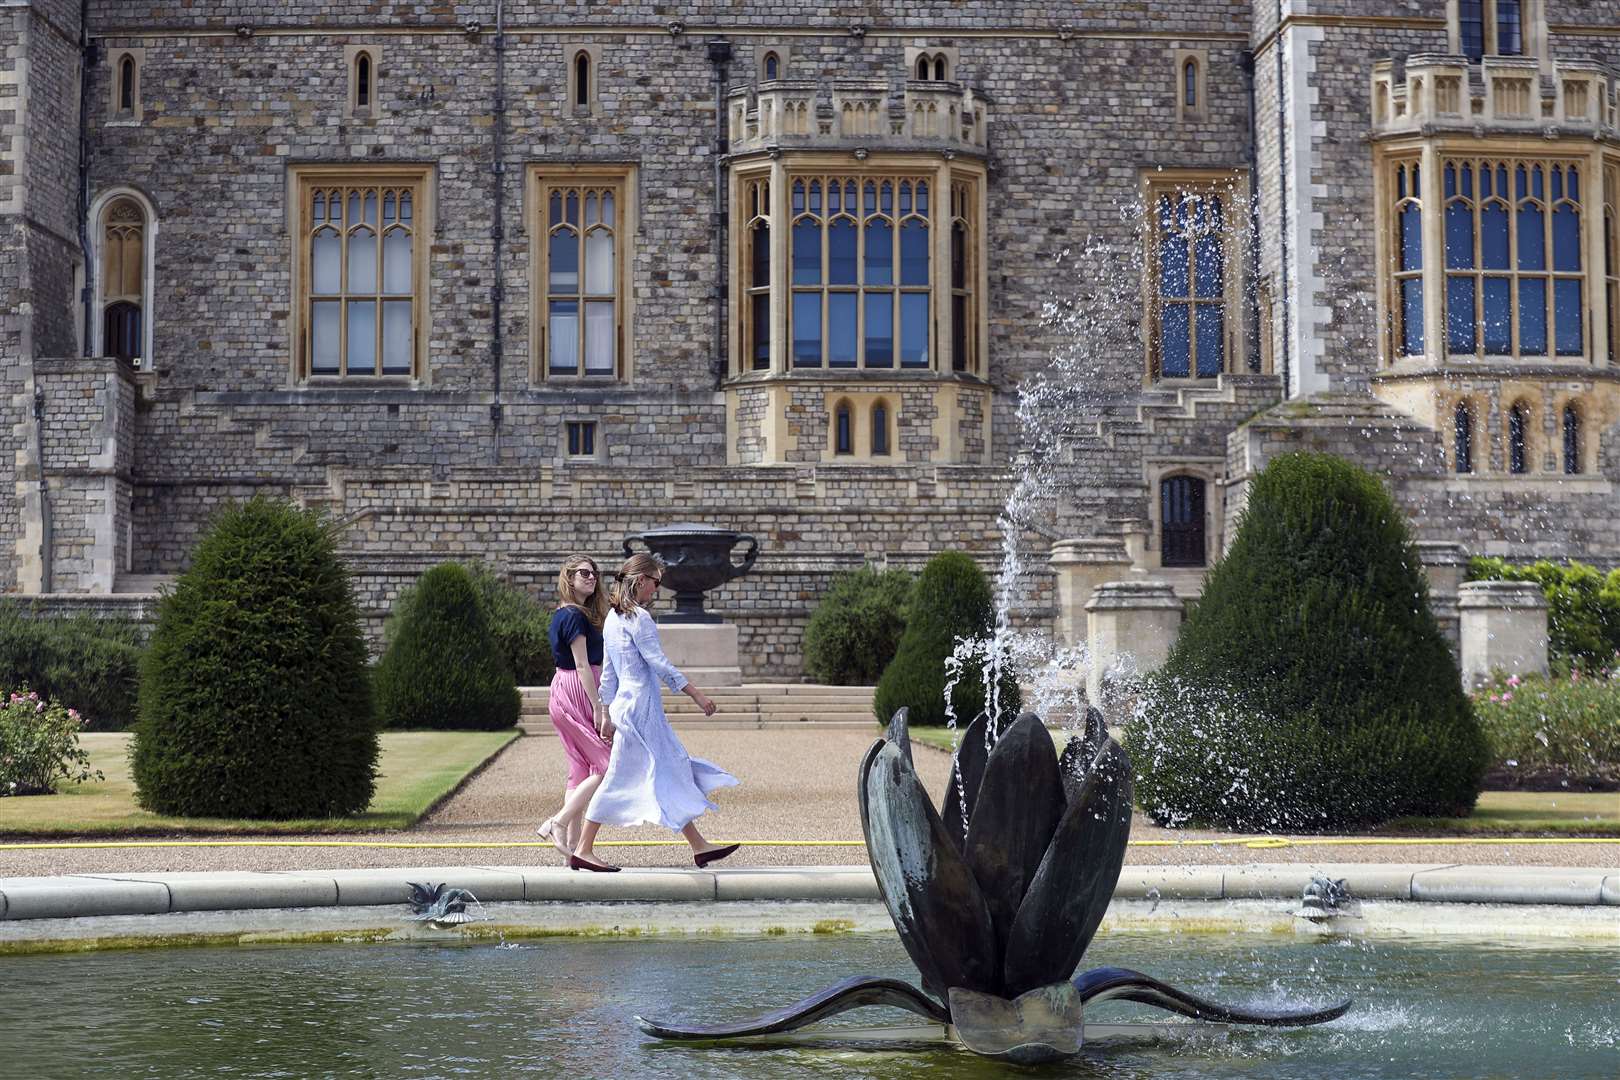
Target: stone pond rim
x=697 y=558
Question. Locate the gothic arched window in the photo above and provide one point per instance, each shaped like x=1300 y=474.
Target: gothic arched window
x=362 y=82
x=922 y=67
x=126 y=84
x=582 y=79
x=123 y=280
x=880 y=429
x=843 y=429
x=773 y=66
x=1189 y=86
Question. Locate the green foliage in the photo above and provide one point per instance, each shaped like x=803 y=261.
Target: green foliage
x=950 y=601
x=39 y=745
x=1566 y=723
x=443 y=669
x=91 y=664
x=1583 y=620
x=1310 y=688
x=254 y=701
x=855 y=630
x=519 y=624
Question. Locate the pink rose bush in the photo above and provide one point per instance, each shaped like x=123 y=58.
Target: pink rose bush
x=39 y=745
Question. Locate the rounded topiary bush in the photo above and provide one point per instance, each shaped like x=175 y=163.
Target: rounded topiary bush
x=951 y=600
x=254 y=700
x=1311 y=687
x=443 y=669
x=517 y=621
x=855 y=630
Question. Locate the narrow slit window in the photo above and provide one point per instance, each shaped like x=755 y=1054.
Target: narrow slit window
x=126 y=84
x=1572 y=440
x=843 y=429
x=1463 y=438
x=1517 y=459
x=922 y=68
x=1189 y=85
x=362 y=82
x=582 y=79
x=773 y=66
x=880 y=430
x=939 y=69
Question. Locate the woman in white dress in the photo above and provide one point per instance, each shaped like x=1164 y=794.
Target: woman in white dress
x=650 y=777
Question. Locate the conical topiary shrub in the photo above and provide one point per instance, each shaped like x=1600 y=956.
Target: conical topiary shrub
x=1310 y=687
x=950 y=600
x=443 y=668
x=254 y=697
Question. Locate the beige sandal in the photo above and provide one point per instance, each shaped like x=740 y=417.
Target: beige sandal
x=548 y=831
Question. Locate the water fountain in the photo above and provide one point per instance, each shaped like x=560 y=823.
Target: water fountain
x=996 y=898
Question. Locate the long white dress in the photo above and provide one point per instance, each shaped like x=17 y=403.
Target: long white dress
x=650 y=777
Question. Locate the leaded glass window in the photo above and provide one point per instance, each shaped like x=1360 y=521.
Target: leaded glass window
x=580 y=280
x=1611 y=256
x=123 y=279
x=1490 y=28
x=1190 y=256
x=361 y=291
x=757 y=275
x=1471 y=28
x=859 y=275
x=1406 y=305
x=1514 y=276
x=964 y=276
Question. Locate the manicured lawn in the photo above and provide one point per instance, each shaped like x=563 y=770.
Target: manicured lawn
x=416 y=770
x=1594 y=813
x=1579 y=813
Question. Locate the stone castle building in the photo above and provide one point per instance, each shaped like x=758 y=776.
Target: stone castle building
x=511 y=279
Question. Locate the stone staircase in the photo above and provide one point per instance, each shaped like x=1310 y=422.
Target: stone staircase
x=756 y=705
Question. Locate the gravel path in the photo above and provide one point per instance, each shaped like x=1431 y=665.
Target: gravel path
x=797 y=784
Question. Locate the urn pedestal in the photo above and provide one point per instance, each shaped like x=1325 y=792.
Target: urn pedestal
x=697 y=558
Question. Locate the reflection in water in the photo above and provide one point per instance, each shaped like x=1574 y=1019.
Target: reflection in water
x=1436 y=1009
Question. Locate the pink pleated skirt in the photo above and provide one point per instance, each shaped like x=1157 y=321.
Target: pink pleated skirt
x=576 y=727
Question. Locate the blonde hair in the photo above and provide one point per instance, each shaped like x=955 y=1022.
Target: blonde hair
x=595 y=606
x=629 y=576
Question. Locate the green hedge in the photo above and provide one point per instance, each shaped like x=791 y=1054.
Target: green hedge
x=254 y=701
x=89 y=664
x=951 y=600
x=855 y=630
x=518 y=623
x=1583 y=620
x=1566 y=724
x=1310 y=687
x=443 y=669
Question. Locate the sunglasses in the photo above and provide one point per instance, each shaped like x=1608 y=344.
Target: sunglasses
x=586 y=573
x=659 y=580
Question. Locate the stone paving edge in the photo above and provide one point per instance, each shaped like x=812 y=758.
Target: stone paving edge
x=153 y=894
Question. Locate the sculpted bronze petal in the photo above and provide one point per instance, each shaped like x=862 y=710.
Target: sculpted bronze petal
x=997 y=895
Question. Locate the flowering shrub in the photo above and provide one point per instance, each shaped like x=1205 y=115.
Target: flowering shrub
x=1564 y=724
x=39 y=745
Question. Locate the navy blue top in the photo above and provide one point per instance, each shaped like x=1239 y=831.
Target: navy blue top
x=567 y=623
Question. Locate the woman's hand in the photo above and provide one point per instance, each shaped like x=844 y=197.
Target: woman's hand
x=604 y=722
x=704 y=702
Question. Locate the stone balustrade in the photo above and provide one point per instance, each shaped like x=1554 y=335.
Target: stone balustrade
x=852 y=114
x=1441 y=91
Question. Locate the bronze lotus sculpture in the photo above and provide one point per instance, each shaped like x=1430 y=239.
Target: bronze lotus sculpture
x=997 y=895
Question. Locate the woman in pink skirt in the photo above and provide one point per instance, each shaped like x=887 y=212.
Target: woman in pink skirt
x=576 y=645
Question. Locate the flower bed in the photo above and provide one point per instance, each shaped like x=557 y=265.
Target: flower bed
x=1556 y=733
x=39 y=745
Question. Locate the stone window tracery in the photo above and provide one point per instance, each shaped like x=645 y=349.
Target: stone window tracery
x=580 y=222
x=123 y=280
x=861 y=277
x=1514 y=269
x=1192 y=309
x=362 y=246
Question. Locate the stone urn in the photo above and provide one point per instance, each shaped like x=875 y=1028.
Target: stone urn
x=697 y=558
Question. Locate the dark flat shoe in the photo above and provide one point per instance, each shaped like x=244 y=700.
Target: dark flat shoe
x=707 y=857
x=577 y=863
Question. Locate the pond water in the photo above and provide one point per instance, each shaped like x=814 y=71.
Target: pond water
x=564 y=1006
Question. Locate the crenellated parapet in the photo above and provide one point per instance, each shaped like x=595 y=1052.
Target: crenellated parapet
x=1503 y=95
x=848 y=114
